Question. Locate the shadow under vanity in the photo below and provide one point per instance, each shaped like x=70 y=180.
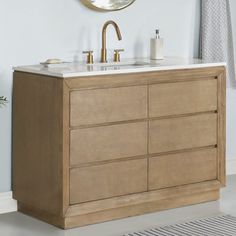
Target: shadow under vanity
x=98 y=145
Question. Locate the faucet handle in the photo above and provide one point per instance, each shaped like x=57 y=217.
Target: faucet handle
x=117 y=54
x=89 y=56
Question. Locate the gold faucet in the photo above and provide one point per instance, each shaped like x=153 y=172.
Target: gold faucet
x=104 y=30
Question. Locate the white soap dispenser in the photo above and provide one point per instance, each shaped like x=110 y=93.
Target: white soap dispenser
x=157 y=47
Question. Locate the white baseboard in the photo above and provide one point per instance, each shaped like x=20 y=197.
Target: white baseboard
x=231 y=167
x=7 y=203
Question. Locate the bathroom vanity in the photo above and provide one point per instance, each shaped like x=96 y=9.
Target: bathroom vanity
x=93 y=143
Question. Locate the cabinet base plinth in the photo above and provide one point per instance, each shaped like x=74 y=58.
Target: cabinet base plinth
x=121 y=212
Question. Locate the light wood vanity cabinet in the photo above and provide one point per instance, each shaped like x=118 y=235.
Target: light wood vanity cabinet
x=91 y=149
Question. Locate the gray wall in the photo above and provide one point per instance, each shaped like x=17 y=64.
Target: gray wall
x=231 y=103
x=233 y=11
x=32 y=31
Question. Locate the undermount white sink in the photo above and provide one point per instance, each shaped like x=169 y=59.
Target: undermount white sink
x=120 y=65
x=104 y=65
x=128 y=63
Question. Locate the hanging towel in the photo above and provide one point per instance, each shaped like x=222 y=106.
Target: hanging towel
x=216 y=35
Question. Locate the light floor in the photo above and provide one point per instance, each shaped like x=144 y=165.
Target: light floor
x=16 y=224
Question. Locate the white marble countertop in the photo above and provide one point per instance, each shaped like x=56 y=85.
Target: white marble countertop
x=68 y=70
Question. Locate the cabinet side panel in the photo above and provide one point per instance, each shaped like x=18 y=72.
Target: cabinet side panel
x=37 y=145
x=222 y=128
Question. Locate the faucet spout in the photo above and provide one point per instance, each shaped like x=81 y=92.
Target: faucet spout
x=104 y=31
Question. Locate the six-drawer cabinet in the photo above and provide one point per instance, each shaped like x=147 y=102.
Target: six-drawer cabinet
x=97 y=148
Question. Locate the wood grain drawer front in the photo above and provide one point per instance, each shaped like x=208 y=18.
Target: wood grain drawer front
x=108 y=143
x=182 y=168
x=182 y=98
x=109 y=180
x=108 y=105
x=182 y=133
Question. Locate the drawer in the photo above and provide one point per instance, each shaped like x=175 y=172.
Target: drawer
x=182 y=97
x=108 y=142
x=108 y=105
x=182 y=133
x=182 y=168
x=109 y=180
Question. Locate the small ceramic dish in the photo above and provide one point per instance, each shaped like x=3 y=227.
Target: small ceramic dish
x=52 y=62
